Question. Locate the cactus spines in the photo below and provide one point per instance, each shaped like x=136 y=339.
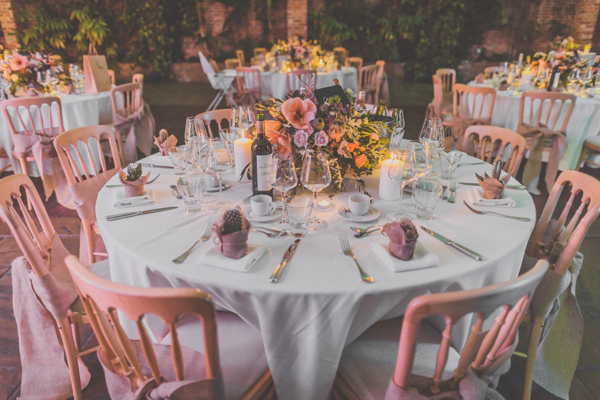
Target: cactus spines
x=163 y=135
x=232 y=221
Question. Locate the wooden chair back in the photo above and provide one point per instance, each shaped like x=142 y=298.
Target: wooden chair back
x=367 y=78
x=126 y=100
x=31 y=228
x=240 y=56
x=259 y=50
x=511 y=297
x=489 y=71
x=545 y=109
x=381 y=65
x=33 y=115
x=448 y=77
x=248 y=85
x=340 y=54
x=207 y=120
x=102 y=299
x=472 y=102
x=138 y=78
x=356 y=62
x=297 y=79
x=569 y=234
x=232 y=63
x=490 y=142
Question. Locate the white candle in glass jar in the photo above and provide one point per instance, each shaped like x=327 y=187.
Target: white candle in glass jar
x=242 y=151
x=388 y=189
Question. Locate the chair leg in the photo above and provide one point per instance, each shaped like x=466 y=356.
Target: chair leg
x=532 y=345
x=89 y=239
x=581 y=157
x=71 y=355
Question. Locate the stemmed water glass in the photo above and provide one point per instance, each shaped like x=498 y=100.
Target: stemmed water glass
x=235 y=121
x=398 y=133
x=52 y=80
x=315 y=176
x=283 y=178
x=572 y=80
x=190 y=130
x=42 y=79
x=422 y=157
x=433 y=134
x=249 y=119
x=402 y=171
x=219 y=161
x=199 y=152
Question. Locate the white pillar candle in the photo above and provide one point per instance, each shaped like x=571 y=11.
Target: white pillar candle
x=242 y=150
x=388 y=189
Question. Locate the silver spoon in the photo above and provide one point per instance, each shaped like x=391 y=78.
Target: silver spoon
x=361 y=230
x=269 y=234
x=147 y=183
x=444 y=196
x=175 y=192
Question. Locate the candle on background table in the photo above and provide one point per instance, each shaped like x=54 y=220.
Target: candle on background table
x=242 y=151
x=388 y=189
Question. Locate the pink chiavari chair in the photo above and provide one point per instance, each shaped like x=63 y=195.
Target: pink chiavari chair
x=259 y=51
x=434 y=109
x=491 y=142
x=448 y=77
x=418 y=364
x=220 y=82
x=489 y=71
x=239 y=54
x=591 y=147
x=206 y=120
x=300 y=78
x=137 y=361
x=356 y=62
x=127 y=109
x=139 y=78
x=558 y=242
x=381 y=65
x=543 y=120
x=471 y=105
x=232 y=63
x=340 y=54
x=368 y=81
x=85 y=178
x=248 y=85
x=33 y=122
x=44 y=302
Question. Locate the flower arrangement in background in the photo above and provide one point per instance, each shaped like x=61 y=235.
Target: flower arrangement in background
x=352 y=142
x=21 y=70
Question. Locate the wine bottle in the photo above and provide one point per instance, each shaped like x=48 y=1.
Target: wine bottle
x=553 y=82
x=262 y=158
x=380 y=110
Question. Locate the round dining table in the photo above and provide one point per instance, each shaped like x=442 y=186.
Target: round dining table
x=320 y=304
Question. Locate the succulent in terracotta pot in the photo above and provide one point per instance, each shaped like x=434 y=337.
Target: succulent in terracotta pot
x=133 y=181
x=232 y=230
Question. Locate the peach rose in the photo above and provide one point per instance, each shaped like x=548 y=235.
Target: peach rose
x=360 y=160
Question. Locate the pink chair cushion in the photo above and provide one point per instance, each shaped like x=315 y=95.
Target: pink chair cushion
x=368 y=363
x=243 y=358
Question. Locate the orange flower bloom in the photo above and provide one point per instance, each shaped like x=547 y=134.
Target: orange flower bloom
x=360 y=160
x=352 y=146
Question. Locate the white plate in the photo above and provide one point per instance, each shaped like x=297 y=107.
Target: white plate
x=276 y=211
x=371 y=215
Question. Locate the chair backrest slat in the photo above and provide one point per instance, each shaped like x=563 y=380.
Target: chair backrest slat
x=547 y=109
x=204 y=120
x=126 y=100
x=495 y=140
x=448 y=78
x=472 y=101
x=356 y=62
x=13 y=109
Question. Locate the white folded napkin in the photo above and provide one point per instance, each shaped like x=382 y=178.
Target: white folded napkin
x=422 y=258
x=215 y=258
x=158 y=159
x=476 y=198
x=120 y=201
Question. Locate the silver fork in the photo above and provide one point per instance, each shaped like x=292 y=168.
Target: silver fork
x=147 y=183
x=452 y=191
x=269 y=234
x=205 y=237
x=348 y=252
x=524 y=219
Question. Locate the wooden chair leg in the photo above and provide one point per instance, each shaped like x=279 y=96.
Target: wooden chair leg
x=532 y=345
x=581 y=157
x=76 y=336
x=71 y=355
x=24 y=171
x=89 y=239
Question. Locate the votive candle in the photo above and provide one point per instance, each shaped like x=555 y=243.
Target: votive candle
x=242 y=150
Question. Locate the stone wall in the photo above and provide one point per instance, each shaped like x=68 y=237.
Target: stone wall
x=297 y=18
x=7 y=21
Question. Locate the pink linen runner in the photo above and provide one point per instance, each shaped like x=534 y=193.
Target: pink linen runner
x=138 y=131
x=39 y=301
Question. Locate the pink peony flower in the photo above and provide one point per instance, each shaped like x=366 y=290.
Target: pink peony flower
x=281 y=142
x=301 y=138
x=336 y=132
x=321 y=139
x=18 y=62
x=299 y=112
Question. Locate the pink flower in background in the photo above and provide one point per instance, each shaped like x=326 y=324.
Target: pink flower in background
x=321 y=139
x=301 y=138
x=299 y=112
x=299 y=50
x=281 y=141
x=18 y=62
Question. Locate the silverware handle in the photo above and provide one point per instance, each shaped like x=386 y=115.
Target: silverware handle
x=182 y=257
x=466 y=251
x=524 y=219
x=278 y=270
x=363 y=275
x=116 y=217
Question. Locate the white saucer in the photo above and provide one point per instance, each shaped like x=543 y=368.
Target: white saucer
x=215 y=189
x=371 y=215
x=276 y=211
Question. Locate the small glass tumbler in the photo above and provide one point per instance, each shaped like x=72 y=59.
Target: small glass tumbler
x=191 y=191
x=299 y=211
x=427 y=192
x=179 y=158
x=448 y=163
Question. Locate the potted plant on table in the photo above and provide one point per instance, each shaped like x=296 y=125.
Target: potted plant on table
x=133 y=181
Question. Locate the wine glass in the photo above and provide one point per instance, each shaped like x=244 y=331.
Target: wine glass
x=42 y=79
x=402 y=171
x=249 y=119
x=572 y=79
x=218 y=161
x=198 y=156
x=432 y=133
x=52 y=80
x=283 y=178
x=398 y=134
x=586 y=78
x=315 y=176
x=422 y=153
x=190 y=131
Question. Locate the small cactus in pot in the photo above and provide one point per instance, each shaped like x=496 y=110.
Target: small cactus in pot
x=493 y=186
x=232 y=230
x=133 y=181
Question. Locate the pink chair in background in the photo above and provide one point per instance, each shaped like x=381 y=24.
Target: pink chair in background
x=259 y=51
x=471 y=105
x=356 y=62
x=227 y=363
x=297 y=79
x=340 y=54
x=434 y=109
x=240 y=56
x=367 y=369
x=448 y=77
x=205 y=120
x=369 y=81
x=540 y=114
x=44 y=298
x=248 y=85
x=86 y=178
x=232 y=63
x=491 y=142
x=220 y=82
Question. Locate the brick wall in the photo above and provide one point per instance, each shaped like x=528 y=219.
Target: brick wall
x=297 y=16
x=7 y=20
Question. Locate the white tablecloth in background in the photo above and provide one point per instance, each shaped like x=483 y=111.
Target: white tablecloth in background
x=320 y=303
x=273 y=84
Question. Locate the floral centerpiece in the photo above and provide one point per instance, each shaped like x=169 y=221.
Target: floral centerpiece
x=21 y=70
x=344 y=132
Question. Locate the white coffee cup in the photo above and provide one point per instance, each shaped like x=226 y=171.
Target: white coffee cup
x=261 y=204
x=359 y=204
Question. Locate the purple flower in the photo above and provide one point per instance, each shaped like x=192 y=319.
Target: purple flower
x=321 y=139
x=301 y=138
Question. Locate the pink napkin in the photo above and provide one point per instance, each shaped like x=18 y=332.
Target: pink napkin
x=403 y=238
x=164 y=141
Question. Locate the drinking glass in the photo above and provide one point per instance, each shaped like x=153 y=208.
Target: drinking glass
x=191 y=191
x=299 y=209
x=432 y=132
x=218 y=162
x=235 y=121
x=42 y=79
x=315 y=176
x=197 y=163
x=402 y=171
x=229 y=135
x=586 y=78
x=190 y=130
x=283 y=178
x=422 y=157
x=448 y=163
x=426 y=192
x=179 y=157
x=249 y=119
x=52 y=80
x=398 y=134
x=572 y=80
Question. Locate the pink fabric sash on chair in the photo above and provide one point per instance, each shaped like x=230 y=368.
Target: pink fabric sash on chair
x=460 y=125
x=535 y=139
x=39 y=301
x=138 y=130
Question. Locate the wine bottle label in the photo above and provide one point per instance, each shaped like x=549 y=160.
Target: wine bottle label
x=263 y=169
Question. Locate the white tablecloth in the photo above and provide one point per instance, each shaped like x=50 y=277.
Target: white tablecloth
x=273 y=84
x=320 y=303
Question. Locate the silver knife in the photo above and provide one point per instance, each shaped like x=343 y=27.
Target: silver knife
x=519 y=187
x=155 y=165
x=457 y=246
x=115 y=217
x=286 y=257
